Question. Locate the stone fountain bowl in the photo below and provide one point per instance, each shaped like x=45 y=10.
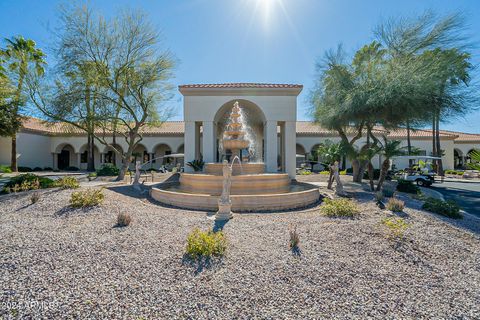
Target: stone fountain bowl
x=300 y=196
x=235 y=144
x=245 y=168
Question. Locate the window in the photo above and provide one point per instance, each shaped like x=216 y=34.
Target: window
x=84 y=157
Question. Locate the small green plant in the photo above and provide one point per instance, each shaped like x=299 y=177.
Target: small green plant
x=343 y=172
x=294 y=238
x=388 y=191
x=27 y=181
x=67 y=183
x=407 y=186
x=340 y=207
x=37 y=169
x=445 y=208
x=324 y=172
x=92 y=176
x=123 y=219
x=305 y=172
x=396 y=227
x=5 y=169
x=87 y=198
x=205 y=244
x=379 y=196
x=395 y=205
x=196 y=164
x=108 y=169
x=35 y=197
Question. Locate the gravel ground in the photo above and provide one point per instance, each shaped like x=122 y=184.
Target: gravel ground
x=56 y=262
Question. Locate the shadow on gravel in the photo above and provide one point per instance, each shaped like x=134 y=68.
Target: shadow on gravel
x=66 y=211
x=218 y=225
x=200 y=265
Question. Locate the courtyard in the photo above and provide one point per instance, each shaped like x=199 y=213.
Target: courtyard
x=63 y=262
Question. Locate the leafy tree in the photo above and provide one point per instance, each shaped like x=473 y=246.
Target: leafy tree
x=124 y=52
x=23 y=57
x=390 y=149
x=330 y=152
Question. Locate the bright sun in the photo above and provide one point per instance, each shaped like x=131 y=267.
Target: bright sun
x=266 y=7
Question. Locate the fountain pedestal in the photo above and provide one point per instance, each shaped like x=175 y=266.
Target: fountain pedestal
x=224 y=210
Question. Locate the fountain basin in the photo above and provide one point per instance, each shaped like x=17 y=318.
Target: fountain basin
x=300 y=195
x=235 y=144
x=245 y=168
x=265 y=183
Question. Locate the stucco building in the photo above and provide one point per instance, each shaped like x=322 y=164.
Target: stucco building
x=270 y=110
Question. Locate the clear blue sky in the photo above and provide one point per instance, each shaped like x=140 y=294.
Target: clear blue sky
x=250 y=40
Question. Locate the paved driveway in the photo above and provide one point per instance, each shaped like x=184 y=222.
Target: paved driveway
x=467 y=195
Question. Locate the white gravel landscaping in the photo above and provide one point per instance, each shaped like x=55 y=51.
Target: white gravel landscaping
x=61 y=263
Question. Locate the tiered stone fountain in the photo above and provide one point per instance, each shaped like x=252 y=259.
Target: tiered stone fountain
x=249 y=188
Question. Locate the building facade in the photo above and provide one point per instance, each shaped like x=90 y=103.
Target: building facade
x=270 y=110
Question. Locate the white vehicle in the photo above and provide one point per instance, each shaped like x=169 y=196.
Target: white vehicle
x=421 y=172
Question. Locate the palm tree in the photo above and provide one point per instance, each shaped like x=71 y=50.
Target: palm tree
x=329 y=153
x=475 y=160
x=390 y=149
x=21 y=54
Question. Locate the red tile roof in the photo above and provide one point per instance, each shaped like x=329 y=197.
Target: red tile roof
x=241 y=85
x=303 y=128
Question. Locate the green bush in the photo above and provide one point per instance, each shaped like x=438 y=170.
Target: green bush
x=305 y=172
x=87 y=198
x=71 y=168
x=24 y=169
x=37 y=169
x=5 y=169
x=396 y=227
x=388 y=191
x=205 y=244
x=47 y=169
x=67 y=183
x=324 y=172
x=28 y=181
x=395 y=205
x=407 y=186
x=340 y=207
x=343 y=172
x=445 y=208
x=108 y=169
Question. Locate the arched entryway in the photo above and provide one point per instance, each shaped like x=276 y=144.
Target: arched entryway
x=459 y=161
x=159 y=152
x=66 y=157
x=301 y=155
x=253 y=119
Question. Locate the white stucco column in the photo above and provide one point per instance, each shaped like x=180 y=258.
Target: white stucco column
x=290 y=138
x=189 y=143
x=208 y=141
x=271 y=149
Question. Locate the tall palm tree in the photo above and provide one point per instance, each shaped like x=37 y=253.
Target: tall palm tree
x=21 y=54
x=390 y=149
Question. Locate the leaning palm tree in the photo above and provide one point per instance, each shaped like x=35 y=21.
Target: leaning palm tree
x=390 y=149
x=330 y=154
x=21 y=54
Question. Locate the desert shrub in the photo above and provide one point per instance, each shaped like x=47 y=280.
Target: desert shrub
x=388 y=191
x=294 y=238
x=340 y=207
x=305 y=172
x=5 y=169
x=108 y=169
x=395 y=205
x=87 y=198
x=28 y=181
x=343 y=172
x=24 y=169
x=407 y=186
x=205 y=244
x=324 y=172
x=67 y=183
x=450 y=172
x=396 y=227
x=47 y=169
x=35 y=197
x=445 y=208
x=123 y=219
x=379 y=196
x=36 y=169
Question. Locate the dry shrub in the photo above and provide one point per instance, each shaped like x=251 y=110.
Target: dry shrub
x=123 y=219
x=395 y=205
x=87 y=198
